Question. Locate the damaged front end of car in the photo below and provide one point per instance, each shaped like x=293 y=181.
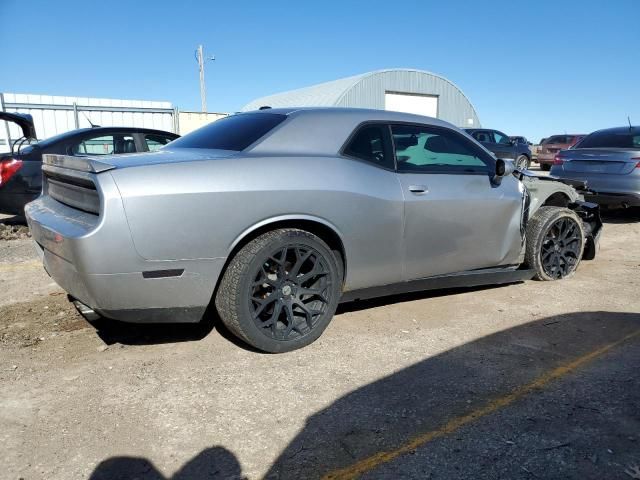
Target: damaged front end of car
x=552 y=191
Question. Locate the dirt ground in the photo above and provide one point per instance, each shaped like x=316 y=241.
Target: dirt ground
x=530 y=380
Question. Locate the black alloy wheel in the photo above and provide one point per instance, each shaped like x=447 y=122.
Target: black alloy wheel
x=561 y=247
x=554 y=243
x=280 y=291
x=290 y=291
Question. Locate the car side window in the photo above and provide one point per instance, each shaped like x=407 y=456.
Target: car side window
x=370 y=144
x=105 y=145
x=482 y=137
x=156 y=141
x=501 y=138
x=432 y=149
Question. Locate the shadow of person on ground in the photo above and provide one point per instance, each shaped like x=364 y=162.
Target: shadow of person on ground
x=216 y=463
x=583 y=423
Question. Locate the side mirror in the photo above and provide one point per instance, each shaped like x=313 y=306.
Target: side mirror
x=504 y=168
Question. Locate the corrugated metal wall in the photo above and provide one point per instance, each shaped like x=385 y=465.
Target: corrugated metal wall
x=55 y=114
x=453 y=106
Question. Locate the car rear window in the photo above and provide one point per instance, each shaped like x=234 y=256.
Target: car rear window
x=558 y=139
x=610 y=139
x=235 y=132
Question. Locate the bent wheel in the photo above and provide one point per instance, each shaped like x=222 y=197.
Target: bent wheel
x=280 y=291
x=555 y=243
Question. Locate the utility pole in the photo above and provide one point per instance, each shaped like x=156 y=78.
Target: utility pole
x=203 y=88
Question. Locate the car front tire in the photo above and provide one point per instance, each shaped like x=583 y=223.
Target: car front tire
x=554 y=243
x=545 y=167
x=280 y=291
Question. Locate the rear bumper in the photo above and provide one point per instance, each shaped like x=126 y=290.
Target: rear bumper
x=127 y=297
x=94 y=260
x=614 y=199
x=606 y=189
x=546 y=158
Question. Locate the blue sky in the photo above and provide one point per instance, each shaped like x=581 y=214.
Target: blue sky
x=530 y=68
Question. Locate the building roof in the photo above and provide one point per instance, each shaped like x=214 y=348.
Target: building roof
x=367 y=90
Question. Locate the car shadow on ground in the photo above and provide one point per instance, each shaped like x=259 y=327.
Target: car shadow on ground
x=113 y=332
x=553 y=398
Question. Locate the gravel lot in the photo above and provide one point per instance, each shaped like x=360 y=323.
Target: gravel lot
x=531 y=380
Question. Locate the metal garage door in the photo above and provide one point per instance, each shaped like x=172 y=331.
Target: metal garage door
x=411 y=103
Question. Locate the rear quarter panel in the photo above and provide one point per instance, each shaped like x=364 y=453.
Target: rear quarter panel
x=198 y=210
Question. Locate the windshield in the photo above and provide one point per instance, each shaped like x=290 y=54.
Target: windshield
x=236 y=132
x=611 y=139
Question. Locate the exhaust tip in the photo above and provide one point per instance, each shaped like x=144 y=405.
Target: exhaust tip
x=87 y=312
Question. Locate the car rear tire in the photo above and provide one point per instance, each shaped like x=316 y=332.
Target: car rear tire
x=545 y=167
x=555 y=243
x=281 y=290
x=522 y=163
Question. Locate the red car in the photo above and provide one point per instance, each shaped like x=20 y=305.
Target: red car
x=552 y=145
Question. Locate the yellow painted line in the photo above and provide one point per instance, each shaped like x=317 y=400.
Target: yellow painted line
x=367 y=464
x=21 y=266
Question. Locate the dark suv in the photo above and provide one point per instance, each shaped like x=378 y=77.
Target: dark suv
x=20 y=169
x=502 y=146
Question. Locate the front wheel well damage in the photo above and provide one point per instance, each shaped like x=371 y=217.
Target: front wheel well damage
x=557 y=199
x=589 y=213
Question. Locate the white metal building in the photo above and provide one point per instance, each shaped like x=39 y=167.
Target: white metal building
x=56 y=114
x=403 y=90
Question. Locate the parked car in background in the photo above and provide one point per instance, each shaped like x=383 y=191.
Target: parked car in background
x=521 y=140
x=552 y=145
x=276 y=216
x=609 y=162
x=502 y=146
x=21 y=168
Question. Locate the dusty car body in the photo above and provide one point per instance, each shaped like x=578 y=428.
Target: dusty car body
x=280 y=214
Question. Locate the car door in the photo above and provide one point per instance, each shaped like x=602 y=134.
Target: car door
x=457 y=217
x=502 y=146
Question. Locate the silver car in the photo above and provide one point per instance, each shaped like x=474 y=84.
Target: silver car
x=609 y=162
x=278 y=215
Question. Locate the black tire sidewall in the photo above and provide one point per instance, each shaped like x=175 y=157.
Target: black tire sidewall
x=537 y=228
x=250 y=330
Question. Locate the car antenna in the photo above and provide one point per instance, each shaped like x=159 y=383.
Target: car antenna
x=89 y=120
x=629 y=120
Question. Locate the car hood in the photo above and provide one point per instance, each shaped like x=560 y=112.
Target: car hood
x=23 y=120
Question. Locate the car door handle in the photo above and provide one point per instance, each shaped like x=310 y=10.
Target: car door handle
x=418 y=189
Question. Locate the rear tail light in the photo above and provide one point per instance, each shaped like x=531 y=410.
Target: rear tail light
x=637 y=159
x=8 y=168
x=557 y=160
